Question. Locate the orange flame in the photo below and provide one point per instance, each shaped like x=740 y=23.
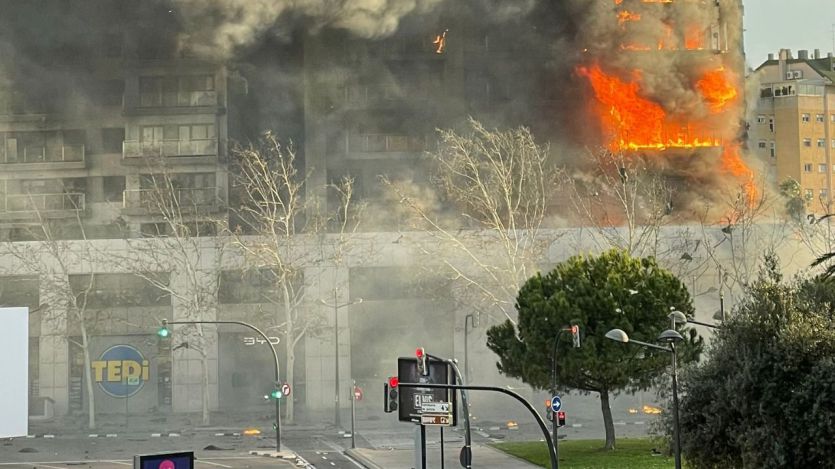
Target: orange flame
x=440 y=42
x=733 y=164
x=717 y=89
x=694 y=38
x=633 y=122
x=625 y=16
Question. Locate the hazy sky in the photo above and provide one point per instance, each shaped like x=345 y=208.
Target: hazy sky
x=771 y=25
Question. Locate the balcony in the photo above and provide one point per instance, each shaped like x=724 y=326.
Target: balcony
x=372 y=146
x=26 y=206
x=188 y=200
x=133 y=151
x=36 y=157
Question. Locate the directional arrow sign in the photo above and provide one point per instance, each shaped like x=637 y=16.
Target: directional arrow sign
x=556 y=404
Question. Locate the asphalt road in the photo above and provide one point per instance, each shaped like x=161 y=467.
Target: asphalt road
x=222 y=462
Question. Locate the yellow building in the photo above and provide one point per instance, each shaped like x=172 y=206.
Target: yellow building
x=794 y=122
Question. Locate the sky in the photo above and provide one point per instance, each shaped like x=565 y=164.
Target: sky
x=771 y=25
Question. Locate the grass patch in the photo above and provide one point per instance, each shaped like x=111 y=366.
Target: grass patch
x=589 y=454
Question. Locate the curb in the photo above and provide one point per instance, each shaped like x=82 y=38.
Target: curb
x=362 y=459
x=165 y=435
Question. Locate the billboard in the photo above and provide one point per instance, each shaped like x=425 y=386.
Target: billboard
x=14 y=368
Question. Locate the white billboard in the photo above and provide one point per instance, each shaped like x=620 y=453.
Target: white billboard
x=14 y=366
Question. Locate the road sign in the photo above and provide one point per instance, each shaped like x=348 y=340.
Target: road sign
x=438 y=420
x=285 y=389
x=556 y=403
x=435 y=407
x=357 y=393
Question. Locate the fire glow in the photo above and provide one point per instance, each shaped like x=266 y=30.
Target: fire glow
x=634 y=122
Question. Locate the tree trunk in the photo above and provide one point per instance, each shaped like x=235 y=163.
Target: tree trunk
x=607 y=419
x=204 y=361
x=88 y=379
x=288 y=374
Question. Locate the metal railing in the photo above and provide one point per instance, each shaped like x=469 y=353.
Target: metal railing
x=30 y=203
x=156 y=200
x=178 y=99
x=46 y=154
x=169 y=148
x=381 y=143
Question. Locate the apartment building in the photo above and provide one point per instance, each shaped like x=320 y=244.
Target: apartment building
x=794 y=122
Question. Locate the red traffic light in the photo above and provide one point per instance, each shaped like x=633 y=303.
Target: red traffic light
x=574 y=329
x=561 y=415
x=419 y=352
x=393 y=382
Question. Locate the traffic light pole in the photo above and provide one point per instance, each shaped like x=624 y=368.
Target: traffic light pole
x=551 y=450
x=275 y=359
x=554 y=424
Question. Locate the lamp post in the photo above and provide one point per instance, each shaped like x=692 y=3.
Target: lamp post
x=669 y=337
x=163 y=332
x=336 y=306
x=474 y=320
x=677 y=317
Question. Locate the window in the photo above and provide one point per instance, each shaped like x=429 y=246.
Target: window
x=761 y=144
x=822 y=168
x=807 y=142
x=807 y=167
x=809 y=194
x=832 y=118
x=190 y=90
x=833 y=143
x=805 y=117
x=819 y=118
x=111 y=139
x=824 y=194
x=771 y=124
x=113 y=187
x=821 y=143
x=772 y=149
x=761 y=119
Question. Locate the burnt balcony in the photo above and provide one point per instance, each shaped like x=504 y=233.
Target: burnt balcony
x=28 y=206
x=373 y=146
x=192 y=151
x=192 y=200
x=49 y=157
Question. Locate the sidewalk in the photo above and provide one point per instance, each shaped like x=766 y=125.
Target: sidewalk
x=484 y=457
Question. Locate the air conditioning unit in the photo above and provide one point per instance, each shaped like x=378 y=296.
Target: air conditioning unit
x=797 y=74
x=789 y=75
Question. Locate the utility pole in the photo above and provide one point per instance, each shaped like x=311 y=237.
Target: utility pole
x=336 y=306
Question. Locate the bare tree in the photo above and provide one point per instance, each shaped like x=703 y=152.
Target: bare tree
x=281 y=231
x=55 y=261
x=190 y=242
x=495 y=185
x=624 y=200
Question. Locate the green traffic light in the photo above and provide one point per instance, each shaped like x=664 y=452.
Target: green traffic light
x=275 y=394
x=163 y=332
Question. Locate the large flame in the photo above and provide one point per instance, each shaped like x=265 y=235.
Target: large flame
x=634 y=122
x=732 y=163
x=717 y=89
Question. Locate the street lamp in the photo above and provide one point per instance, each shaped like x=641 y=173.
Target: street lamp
x=164 y=332
x=671 y=338
x=677 y=317
x=336 y=421
x=474 y=320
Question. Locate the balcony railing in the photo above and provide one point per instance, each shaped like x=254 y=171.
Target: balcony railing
x=169 y=148
x=178 y=99
x=45 y=154
x=381 y=143
x=156 y=201
x=32 y=203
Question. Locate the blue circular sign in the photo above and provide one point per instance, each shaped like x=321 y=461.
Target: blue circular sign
x=121 y=371
x=556 y=403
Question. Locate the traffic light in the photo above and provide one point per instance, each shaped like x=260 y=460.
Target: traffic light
x=575 y=335
x=391 y=394
x=163 y=331
x=422 y=367
x=274 y=394
x=561 y=418
x=549 y=415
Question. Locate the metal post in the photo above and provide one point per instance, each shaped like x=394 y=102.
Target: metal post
x=465 y=401
x=423 y=447
x=353 y=413
x=442 y=447
x=336 y=420
x=676 y=427
x=275 y=361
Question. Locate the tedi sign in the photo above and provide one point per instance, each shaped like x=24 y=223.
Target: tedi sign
x=121 y=371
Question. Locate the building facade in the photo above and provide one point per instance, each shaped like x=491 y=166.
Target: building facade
x=793 y=126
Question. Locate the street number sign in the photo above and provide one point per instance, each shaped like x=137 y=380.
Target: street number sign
x=435 y=407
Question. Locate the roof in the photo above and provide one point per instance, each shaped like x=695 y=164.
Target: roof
x=823 y=66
